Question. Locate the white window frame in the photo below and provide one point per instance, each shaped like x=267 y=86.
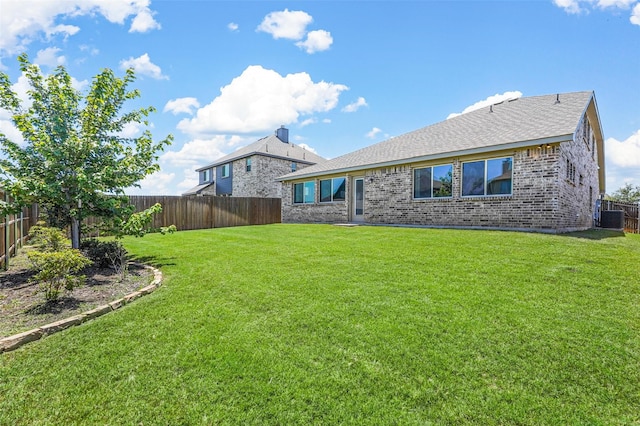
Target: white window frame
x=224 y=172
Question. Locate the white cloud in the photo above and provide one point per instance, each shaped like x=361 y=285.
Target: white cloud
x=635 y=15
x=197 y=152
x=286 y=24
x=326 y=121
x=26 y=20
x=182 y=105
x=190 y=179
x=353 y=107
x=93 y=51
x=232 y=26
x=316 y=41
x=624 y=153
x=144 y=22
x=373 y=133
x=49 y=57
x=261 y=100
x=620 y=4
x=131 y=130
x=570 y=6
x=142 y=65
x=584 y=6
x=491 y=100
x=308 y=121
x=79 y=85
x=9 y=130
x=157 y=183
x=307 y=147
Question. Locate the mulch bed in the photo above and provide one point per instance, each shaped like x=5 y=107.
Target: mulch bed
x=23 y=307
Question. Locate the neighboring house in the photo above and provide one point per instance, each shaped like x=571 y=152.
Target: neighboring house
x=252 y=171
x=534 y=163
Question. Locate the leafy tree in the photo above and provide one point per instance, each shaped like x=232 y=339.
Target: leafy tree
x=628 y=194
x=75 y=161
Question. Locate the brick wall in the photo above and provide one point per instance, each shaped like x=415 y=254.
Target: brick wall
x=541 y=199
x=578 y=188
x=261 y=180
x=313 y=213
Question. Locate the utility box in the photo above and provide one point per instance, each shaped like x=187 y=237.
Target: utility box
x=612 y=219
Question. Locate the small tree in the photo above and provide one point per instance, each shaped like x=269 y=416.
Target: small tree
x=627 y=194
x=75 y=162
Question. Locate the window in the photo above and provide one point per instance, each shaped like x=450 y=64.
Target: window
x=571 y=172
x=432 y=182
x=487 y=177
x=304 y=193
x=248 y=164
x=332 y=190
x=225 y=170
x=294 y=166
x=205 y=176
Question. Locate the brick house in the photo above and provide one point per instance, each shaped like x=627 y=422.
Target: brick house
x=252 y=171
x=534 y=163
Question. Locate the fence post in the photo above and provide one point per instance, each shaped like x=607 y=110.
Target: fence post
x=21 y=226
x=7 y=236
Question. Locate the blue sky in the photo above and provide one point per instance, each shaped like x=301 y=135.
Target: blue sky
x=341 y=75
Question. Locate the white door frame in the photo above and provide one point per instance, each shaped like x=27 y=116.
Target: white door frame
x=357 y=210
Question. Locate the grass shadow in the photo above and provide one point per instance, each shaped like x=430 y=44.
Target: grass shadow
x=155 y=261
x=596 y=234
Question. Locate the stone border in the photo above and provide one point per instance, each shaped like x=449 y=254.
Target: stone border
x=14 y=342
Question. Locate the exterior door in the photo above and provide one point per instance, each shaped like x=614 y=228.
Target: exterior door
x=358 y=200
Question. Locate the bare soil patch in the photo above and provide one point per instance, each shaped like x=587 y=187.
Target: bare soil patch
x=22 y=305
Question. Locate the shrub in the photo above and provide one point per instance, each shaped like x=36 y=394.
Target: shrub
x=47 y=239
x=56 y=269
x=106 y=254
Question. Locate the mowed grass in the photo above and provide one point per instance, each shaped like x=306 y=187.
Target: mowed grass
x=318 y=324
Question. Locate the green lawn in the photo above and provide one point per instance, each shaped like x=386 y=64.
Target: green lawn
x=316 y=324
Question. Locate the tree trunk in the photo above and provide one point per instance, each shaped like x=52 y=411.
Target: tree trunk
x=75 y=233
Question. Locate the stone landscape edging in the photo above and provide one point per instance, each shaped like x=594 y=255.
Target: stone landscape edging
x=14 y=342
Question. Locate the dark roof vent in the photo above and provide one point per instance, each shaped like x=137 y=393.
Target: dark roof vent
x=558 y=98
x=283 y=134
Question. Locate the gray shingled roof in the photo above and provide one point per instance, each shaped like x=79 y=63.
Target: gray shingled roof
x=515 y=123
x=196 y=189
x=270 y=146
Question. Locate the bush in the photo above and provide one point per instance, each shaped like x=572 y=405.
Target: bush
x=56 y=269
x=106 y=254
x=101 y=252
x=47 y=239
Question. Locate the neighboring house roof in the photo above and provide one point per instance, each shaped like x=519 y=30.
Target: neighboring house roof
x=270 y=146
x=510 y=124
x=197 y=189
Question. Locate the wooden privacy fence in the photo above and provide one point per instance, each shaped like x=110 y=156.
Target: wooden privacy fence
x=631 y=214
x=203 y=212
x=14 y=230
